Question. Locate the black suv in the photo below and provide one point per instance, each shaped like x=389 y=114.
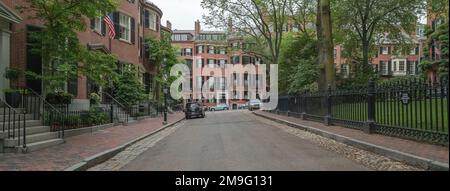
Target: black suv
x=194 y=109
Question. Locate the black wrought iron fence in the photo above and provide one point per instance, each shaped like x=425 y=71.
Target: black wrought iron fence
x=412 y=109
x=75 y=119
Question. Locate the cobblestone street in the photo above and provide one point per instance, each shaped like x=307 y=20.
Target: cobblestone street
x=241 y=141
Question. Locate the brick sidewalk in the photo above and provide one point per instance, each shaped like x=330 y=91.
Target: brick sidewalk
x=434 y=152
x=77 y=148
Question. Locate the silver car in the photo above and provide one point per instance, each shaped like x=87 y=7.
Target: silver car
x=254 y=104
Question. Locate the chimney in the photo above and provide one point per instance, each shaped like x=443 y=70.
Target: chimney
x=169 y=25
x=197 y=27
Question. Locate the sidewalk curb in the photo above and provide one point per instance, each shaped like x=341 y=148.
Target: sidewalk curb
x=108 y=154
x=410 y=159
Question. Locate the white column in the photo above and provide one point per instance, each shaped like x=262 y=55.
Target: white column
x=4 y=59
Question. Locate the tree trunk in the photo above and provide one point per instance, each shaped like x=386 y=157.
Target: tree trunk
x=320 y=61
x=326 y=59
x=365 y=50
x=328 y=44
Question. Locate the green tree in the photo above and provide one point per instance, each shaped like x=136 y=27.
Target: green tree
x=438 y=9
x=164 y=55
x=58 y=43
x=298 y=70
x=129 y=87
x=260 y=21
x=366 y=23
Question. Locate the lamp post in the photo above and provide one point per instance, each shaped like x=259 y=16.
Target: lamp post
x=166 y=92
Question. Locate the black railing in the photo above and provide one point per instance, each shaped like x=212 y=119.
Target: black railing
x=120 y=113
x=145 y=108
x=51 y=116
x=13 y=123
x=412 y=109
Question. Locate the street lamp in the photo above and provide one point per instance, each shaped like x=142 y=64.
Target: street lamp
x=166 y=92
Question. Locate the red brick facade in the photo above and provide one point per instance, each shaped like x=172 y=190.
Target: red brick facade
x=131 y=52
x=206 y=56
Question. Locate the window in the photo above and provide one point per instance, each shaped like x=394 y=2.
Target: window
x=199 y=63
x=152 y=19
x=200 y=50
x=222 y=63
x=412 y=67
x=199 y=83
x=98 y=25
x=235 y=60
x=125 y=27
x=384 y=50
x=401 y=66
x=186 y=52
x=246 y=60
x=345 y=70
x=211 y=63
x=210 y=49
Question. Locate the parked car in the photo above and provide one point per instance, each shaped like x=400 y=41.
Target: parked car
x=220 y=107
x=194 y=109
x=254 y=104
x=243 y=106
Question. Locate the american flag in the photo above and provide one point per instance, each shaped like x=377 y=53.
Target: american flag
x=110 y=24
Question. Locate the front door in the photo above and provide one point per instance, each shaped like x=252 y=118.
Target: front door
x=34 y=62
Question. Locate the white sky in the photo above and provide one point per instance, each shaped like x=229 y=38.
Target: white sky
x=181 y=13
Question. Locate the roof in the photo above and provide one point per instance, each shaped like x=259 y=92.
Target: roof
x=151 y=5
x=8 y=14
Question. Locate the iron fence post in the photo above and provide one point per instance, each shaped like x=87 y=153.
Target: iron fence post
x=327 y=119
x=111 y=113
x=371 y=99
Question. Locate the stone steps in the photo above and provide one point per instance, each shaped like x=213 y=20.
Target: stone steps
x=42 y=145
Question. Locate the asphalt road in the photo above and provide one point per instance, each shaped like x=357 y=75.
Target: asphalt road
x=237 y=141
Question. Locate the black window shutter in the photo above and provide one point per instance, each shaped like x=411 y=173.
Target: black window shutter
x=390 y=67
x=157 y=24
x=133 y=26
x=389 y=50
x=92 y=24
x=381 y=50
x=147 y=19
x=417 y=50
x=103 y=27
x=116 y=20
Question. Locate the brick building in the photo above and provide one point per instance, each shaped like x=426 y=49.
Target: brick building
x=134 y=21
x=207 y=53
x=8 y=17
x=389 y=61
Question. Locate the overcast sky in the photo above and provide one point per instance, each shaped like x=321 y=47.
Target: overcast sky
x=181 y=13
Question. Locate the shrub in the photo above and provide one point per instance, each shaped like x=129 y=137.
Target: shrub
x=59 y=98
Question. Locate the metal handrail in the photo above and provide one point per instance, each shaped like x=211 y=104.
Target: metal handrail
x=52 y=108
x=120 y=105
x=24 y=145
x=114 y=99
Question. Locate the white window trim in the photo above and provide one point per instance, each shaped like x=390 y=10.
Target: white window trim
x=127 y=27
x=152 y=20
x=385 y=50
x=98 y=25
